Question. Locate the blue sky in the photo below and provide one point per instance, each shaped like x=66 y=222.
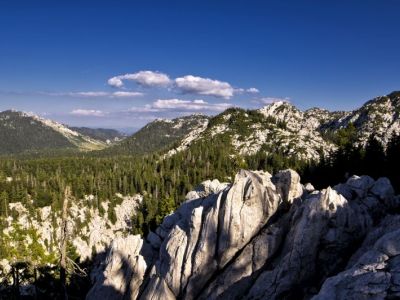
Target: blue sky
x=170 y=58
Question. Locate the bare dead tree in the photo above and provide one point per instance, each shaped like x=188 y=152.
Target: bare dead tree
x=64 y=242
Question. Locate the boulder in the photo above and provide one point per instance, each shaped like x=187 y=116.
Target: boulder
x=360 y=184
x=206 y=188
x=383 y=189
x=288 y=185
x=375 y=273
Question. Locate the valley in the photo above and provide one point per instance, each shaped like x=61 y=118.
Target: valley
x=148 y=194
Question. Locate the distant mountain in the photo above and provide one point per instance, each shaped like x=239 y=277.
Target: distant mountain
x=159 y=134
x=108 y=136
x=282 y=128
x=379 y=116
x=276 y=128
x=21 y=132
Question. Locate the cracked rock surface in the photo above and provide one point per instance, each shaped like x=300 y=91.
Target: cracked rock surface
x=264 y=237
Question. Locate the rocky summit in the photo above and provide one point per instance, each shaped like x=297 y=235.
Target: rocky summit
x=264 y=237
x=280 y=127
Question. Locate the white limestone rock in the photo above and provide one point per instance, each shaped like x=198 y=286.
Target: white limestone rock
x=375 y=273
x=126 y=264
x=206 y=188
x=250 y=240
x=288 y=185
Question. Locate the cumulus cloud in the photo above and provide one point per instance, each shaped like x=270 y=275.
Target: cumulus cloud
x=181 y=105
x=88 y=113
x=252 y=90
x=188 y=84
x=204 y=86
x=115 y=81
x=144 y=78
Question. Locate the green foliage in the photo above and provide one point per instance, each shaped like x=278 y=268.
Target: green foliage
x=3 y=204
x=155 y=136
x=100 y=134
x=22 y=245
x=342 y=136
x=348 y=160
x=43 y=198
x=165 y=207
x=20 y=133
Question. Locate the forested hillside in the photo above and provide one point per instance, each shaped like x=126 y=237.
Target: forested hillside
x=150 y=174
x=19 y=133
x=158 y=135
x=25 y=133
x=108 y=136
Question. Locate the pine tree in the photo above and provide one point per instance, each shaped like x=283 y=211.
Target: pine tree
x=374 y=160
x=4 y=204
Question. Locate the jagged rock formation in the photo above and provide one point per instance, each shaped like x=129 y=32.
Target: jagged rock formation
x=379 y=116
x=265 y=237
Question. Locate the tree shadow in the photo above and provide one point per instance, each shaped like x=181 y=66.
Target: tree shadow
x=43 y=282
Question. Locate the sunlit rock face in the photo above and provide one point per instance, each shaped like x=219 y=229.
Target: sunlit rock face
x=90 y=230
x=264 y=237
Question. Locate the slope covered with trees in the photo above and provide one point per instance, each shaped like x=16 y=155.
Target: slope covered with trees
x=164 y=178
x=19 y=133
x=25 y=133
x=157 y=135
x=101 y=134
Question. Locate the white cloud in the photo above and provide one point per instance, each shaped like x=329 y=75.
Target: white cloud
x=98 y=94
x=88 y=94
x=77 y=94
x=252 y=90
x=143 y=109
x=181 y=105
x=204 y=86
x=144 y=78
x=126 y=94
x=87 y=112
x=188 y=84
x=115 y=81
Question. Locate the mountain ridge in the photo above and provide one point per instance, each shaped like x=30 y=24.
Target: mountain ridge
x=279 y=127
x=303 y=134
x=158 y=135
x=26 y=132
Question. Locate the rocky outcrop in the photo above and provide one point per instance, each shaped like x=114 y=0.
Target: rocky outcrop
x=281 y=127
x=374 y=270
x=125 y=269
x=90 y=230
x=264 y=237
